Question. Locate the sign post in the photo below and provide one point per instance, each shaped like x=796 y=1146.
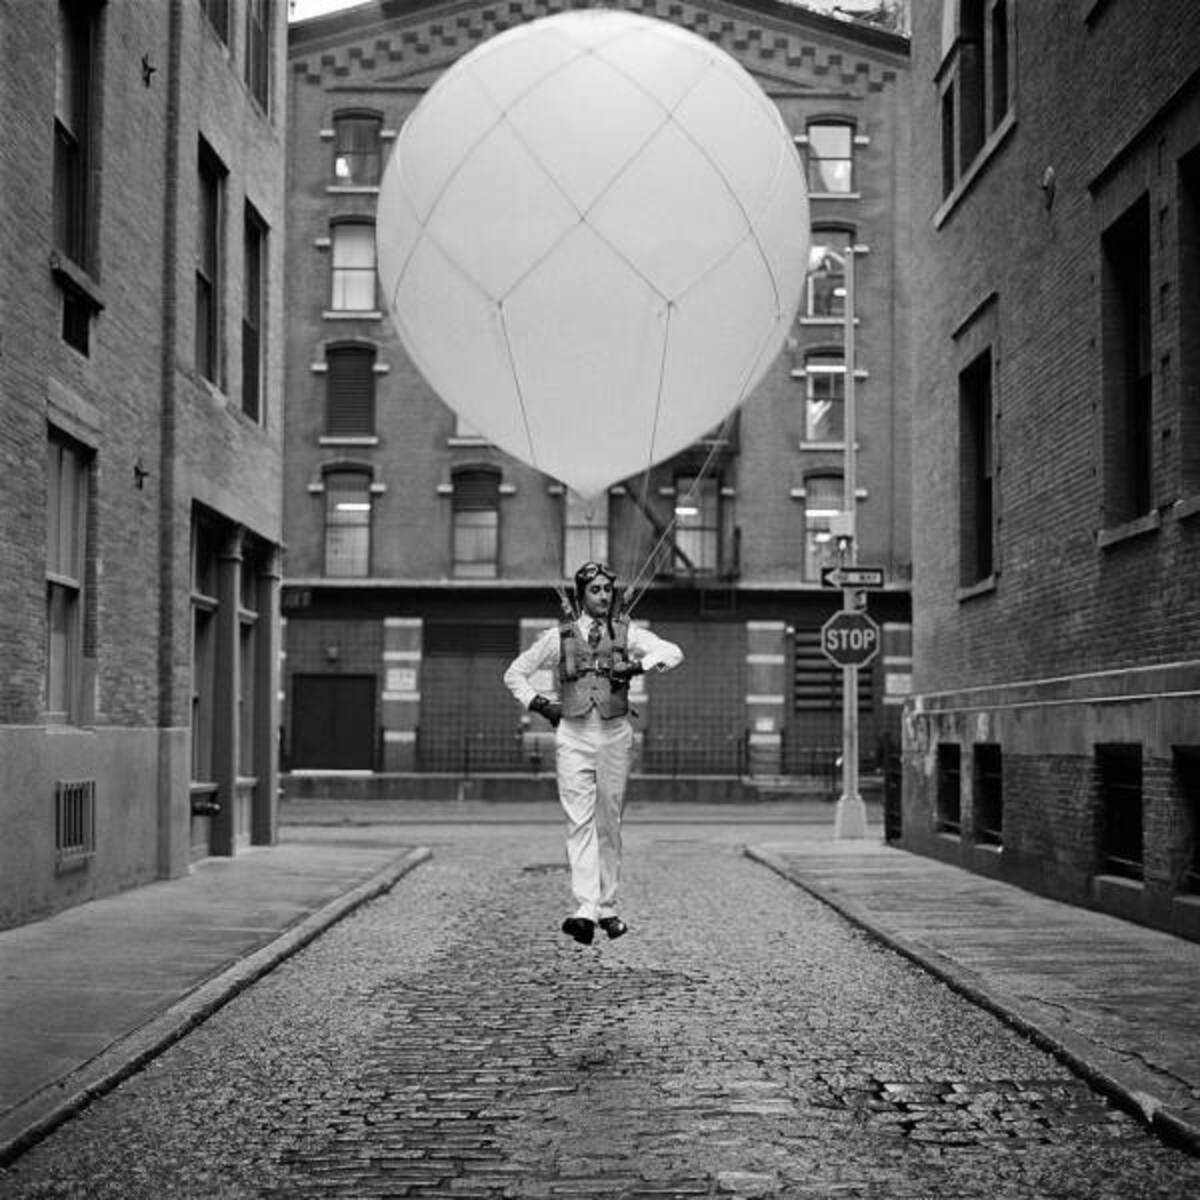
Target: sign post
x=850 y=816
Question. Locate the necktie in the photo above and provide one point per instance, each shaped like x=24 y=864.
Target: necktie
x=594 y=635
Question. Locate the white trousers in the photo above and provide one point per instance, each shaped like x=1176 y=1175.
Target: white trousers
x=593 y=765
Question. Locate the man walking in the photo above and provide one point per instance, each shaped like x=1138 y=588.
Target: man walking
x=594 y=656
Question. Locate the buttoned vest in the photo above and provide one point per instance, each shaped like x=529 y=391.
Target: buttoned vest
x=583 y=672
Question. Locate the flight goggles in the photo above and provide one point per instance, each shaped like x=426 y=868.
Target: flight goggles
x=589 y=571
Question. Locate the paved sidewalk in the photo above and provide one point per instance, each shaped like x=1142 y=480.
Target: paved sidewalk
x=1119 y=1003
x=90 y=995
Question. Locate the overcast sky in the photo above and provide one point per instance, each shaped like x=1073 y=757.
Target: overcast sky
x=301 y=10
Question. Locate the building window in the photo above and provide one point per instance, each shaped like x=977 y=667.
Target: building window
x=211 y=177
x=824 y=397
x=206 y=547
x=1189 y=302
x=1120 y=776
x=350 y=391
x=476 y=533
x=73 y=143
x=347 y=524
x=68 y=475
x=217 y=12
x=253 y=313
x=976 y=471
x=585 y=532
x=258 y=50
x=822 y=502
x=1187 y=787
x=831 y=157
x=975 y=81
x=826 y=282
x=698 y=522
x=248 y=624
x=357 y=156
x=989 y=794
x=353 y=267
x=949 y=788
x=1126 y=363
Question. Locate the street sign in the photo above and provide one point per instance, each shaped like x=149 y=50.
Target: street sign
x=852 y=577
x=850 y=639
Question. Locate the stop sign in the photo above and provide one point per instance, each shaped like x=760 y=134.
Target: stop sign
x=850 y=639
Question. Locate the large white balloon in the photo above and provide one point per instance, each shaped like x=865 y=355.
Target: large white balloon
x=592 y=236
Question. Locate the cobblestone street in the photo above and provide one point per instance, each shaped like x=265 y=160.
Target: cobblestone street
x=743 y=1040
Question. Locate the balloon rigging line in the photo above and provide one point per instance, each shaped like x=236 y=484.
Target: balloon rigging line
x=516 y=376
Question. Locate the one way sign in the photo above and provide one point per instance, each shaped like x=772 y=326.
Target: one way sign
x=852 y=577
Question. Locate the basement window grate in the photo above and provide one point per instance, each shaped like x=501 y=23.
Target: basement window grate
x=74 y=824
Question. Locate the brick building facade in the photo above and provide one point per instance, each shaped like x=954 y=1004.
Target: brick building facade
x=141 y=371
x=1053 y=737
x=420 y=559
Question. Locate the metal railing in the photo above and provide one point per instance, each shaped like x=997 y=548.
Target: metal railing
x=530 y=750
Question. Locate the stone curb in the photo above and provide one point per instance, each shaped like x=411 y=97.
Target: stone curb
x=27 y=1123
x=1104 y=1071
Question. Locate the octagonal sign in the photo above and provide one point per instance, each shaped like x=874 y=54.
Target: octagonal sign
x=850 y=639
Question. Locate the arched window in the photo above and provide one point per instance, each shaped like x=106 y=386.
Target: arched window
x=347 y=522
x=475 y=552
x=350 y=391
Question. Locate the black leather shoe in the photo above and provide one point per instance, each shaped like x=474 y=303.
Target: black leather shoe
x=581 y=929
x=613 y=926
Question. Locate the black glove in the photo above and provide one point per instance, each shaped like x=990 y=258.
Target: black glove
x=622 y=672
x=547 y=708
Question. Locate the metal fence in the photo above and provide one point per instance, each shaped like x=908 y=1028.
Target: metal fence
x=531 y=751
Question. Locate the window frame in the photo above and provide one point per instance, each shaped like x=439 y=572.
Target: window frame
x=210 y=231
x=69 y=511
x=343 y=275
x=1127 y=360
x=341 y=405
x=819 y=521
x=698 y=534
x=585 y=536
x=258 y=51
x=348 y=120
x=815 y=160
x=254 y=311
x=475 y=522
x=345 y=550
x=977 y=470
x=824 y=363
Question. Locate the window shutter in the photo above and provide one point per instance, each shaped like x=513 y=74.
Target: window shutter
x=476 y=490
x=351 y=393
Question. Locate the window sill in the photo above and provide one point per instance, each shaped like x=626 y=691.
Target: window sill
x=353 y=189
x=983 y=587
x=76 y=280
x=1187 y=506
x=358 y=314
x=1115 y=535
x=458 y=440
x=993 y=848
x=348 y=441
x=835 y=195
x=830 y=322
x=838 y=446
x=979 y=163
